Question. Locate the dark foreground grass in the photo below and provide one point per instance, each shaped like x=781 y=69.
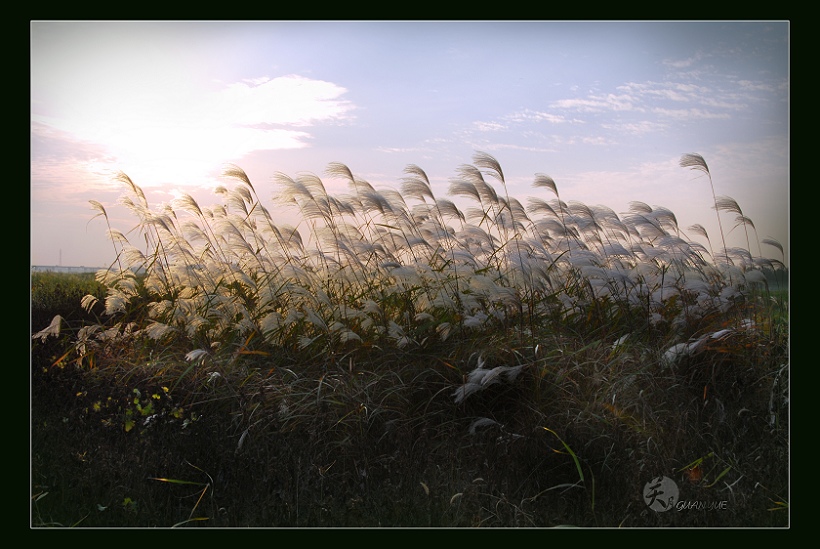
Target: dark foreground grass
x=373 y=438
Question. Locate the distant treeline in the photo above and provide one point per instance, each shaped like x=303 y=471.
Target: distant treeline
x=62 y=269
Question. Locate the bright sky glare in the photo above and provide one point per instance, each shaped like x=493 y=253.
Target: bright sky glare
x=606 y=109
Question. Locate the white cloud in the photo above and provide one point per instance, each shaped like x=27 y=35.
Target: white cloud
x=755 y=86
x=180 y=136
x=683 y=63
x=537 y=116
x=689 y=114
x=608 y=102
x=489 y=126
x=721 y=104
x=672 y=91
x=512 y=146
x=291 y=100
x=636 y=128
x=595 y=140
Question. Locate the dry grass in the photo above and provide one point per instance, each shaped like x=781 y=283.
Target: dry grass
x=403 y=361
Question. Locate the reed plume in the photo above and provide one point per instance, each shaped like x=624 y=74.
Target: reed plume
x=696 y=162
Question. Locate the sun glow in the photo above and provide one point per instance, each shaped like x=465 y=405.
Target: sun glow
x=185 y=137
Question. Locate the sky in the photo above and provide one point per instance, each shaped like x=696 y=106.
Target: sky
x=606 y=109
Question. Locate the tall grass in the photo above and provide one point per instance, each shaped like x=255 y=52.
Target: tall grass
x=381 y=267
x=388 y=316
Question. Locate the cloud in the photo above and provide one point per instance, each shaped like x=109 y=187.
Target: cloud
x=689 y=114
x=515 y=147
x=748 y=85
x=603 y=103
x=528 y=115
x=289 y=100
x=57 y=158
x=683 y=63
x=636 y=128
x=489 y=126
x=183 y=136
x=670 y=91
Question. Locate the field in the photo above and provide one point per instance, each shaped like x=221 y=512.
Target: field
x=401 y=360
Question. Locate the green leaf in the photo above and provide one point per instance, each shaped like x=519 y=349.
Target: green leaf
x=574 y=457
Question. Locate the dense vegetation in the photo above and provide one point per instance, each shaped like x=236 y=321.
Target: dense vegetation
x=400 y=360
